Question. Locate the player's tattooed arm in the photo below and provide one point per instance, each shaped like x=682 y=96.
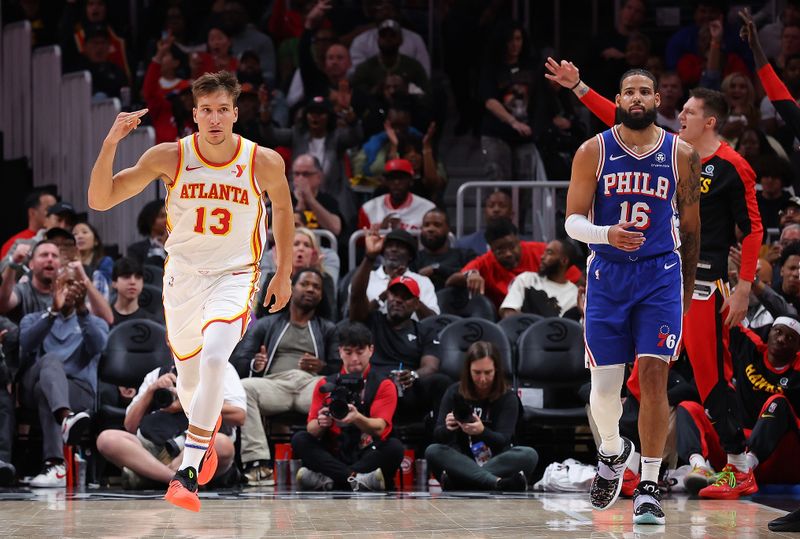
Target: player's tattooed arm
x=689 y=213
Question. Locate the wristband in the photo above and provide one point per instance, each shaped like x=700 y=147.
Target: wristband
x=576 y=84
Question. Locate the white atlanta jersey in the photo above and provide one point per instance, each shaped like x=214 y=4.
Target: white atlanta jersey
x=215 y=212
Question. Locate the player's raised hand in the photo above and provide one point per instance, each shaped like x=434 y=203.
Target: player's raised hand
x=124 y=124
x=565 y=73
x=280 y=287
x=623 y=239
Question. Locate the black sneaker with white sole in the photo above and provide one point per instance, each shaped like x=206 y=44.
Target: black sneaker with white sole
x=647 y=504
x=607 y=482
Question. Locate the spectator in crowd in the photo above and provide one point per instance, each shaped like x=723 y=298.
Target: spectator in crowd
x=61 y=215
x=318 y=134
x=108 y=78
x=670 y=88
x=9 y=338
x=36 y=204
x=367 y=44
x=92 y=255
x=76 y=28
x=767 y=393
x=790 y=233
x=398 y=249
x=320 y=209
x=43 y=20
x=389 y=59
x=322 y=38
x=36 y=293
x=430 y=177
x=709 y=63
x=497 y=205
x=175 y=24
x=790 y=45
x=161 y=87
x=347 y=444
x=546 y=292
x=771 y=33
x=508 y=91
x=61 y=348
x=288 y=353
x=686 y=39
x=217 y=56
x=438 y=260
x=491 y=273
x=475 y=429
x=400 y=208
x=789 y=265
x=127 y=280
x=150 y=449
x=306 y=253
x=152 y=224
x=245 y=36
x=371 y=159
x=401 y=344
x=393 y=87
x=774 y=174
x=753 y=144
x=740 y=95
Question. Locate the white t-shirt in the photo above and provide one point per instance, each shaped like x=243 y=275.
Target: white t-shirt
x=410 y=212
x=565 y=294
x=378 y=281
x=233 y=392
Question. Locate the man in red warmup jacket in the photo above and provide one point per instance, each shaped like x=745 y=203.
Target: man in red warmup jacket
x=727 y=200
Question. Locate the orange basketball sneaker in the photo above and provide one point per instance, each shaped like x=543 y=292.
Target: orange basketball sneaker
x=182 y=491
x=731 y=484
x=208 y=466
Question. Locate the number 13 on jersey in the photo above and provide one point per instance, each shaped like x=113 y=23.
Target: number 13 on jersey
x=220 y=228
x=638 y=213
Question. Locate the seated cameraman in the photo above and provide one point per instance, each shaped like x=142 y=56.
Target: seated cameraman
x=347 y=444
x=288 y=352
x=474 y=429
x=402 y=347
x=151 y=446
x=60 y=350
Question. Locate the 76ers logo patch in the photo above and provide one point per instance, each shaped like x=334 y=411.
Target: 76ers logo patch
x=665 y=338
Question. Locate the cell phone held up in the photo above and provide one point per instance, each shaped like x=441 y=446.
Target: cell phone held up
x=462 y=410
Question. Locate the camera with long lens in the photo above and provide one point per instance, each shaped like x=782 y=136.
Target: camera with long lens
x=345 y=390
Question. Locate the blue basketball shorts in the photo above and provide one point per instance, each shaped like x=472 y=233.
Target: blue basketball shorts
x=633 y=309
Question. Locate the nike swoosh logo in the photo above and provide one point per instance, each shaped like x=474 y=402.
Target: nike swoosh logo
x=615 y=157
x=61 y=475
x=668 y=266
x=189 y=169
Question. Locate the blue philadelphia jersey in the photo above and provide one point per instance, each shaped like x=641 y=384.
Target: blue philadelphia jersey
x=639 y=188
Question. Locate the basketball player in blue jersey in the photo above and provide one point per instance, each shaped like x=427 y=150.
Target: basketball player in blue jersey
x=634 y=198
x=217 y=183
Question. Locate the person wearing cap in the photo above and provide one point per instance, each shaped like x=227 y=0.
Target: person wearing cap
x=61 y=215
x=318 y=134
x=389 y=59
x=400 y=208
x=790 y=214
x=401 y=343
x=79 y=24
x=398 y=250
x=766 y=399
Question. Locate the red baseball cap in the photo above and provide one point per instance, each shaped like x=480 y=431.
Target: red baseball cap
x=409 y=283
x=399 y=165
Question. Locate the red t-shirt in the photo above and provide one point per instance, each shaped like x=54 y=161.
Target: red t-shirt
x=383 y=406
x=24 y=235
x=498 y=278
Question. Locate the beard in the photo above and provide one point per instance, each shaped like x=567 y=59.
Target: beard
x=549 y=271
x=432 y=243
x=637 y=123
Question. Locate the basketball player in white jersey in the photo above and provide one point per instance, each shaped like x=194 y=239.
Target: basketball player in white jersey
x=217 y=228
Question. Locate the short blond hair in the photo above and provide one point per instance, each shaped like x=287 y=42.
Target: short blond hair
x=221 y=81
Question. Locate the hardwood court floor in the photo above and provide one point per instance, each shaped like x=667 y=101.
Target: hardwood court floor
x=117 y=514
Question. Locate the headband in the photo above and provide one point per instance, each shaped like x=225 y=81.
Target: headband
x=791 y=323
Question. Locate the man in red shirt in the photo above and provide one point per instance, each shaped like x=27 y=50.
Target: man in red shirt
x=492 y=272
x=37 y=203
x=347 y=444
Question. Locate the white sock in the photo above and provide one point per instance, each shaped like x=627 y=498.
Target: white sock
x=752 y=460
x=740 y=461
x=650 y=468
x=634 y=467
x=193 y=450
x=697 y=460
x=606 y=406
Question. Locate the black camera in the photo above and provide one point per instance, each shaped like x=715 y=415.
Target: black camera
x=163 y=397
x=344 y=391
x=462 y=410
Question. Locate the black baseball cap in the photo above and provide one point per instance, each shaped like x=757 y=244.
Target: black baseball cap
x=61 y=207
x=402 y=236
